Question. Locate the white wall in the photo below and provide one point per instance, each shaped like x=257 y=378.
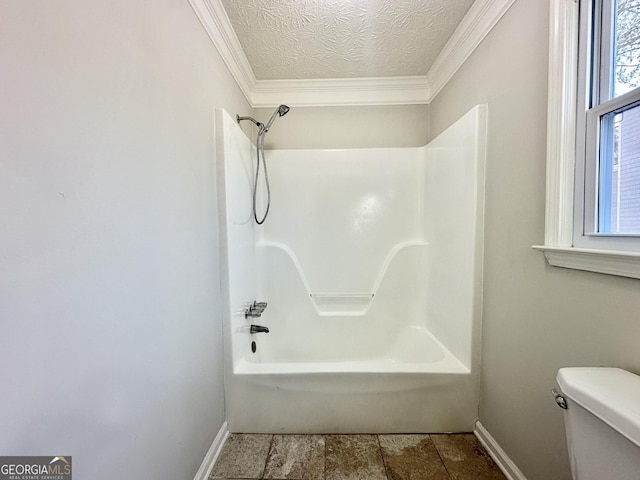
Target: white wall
x=110 y=329
x=536 y=318
x=343 y=211
x=347 y=127
x=454 y=209
x=236 y=160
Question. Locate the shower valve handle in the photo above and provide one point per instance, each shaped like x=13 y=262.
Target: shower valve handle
x=260 y=306
x=252 y=313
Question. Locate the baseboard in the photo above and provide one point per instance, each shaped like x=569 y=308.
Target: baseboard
x=499 y=456
x=212 y=455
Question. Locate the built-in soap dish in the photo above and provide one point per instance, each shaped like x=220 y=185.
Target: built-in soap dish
x=336 y=304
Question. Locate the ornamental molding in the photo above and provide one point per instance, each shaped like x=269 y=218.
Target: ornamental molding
x=421 y=89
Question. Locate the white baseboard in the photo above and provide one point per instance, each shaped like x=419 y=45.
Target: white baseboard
x=212 y=455
x=510 y=470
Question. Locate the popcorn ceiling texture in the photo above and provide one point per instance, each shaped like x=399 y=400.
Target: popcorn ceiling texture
x=305 y=39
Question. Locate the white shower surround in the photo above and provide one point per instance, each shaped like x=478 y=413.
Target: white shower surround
x=371 y=263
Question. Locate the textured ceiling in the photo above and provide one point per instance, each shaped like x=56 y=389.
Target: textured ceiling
x=305 y=39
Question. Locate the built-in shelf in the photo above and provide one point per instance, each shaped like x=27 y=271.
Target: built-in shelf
x=336 y=304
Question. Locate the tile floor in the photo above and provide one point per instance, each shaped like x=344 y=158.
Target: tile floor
x=354 y=457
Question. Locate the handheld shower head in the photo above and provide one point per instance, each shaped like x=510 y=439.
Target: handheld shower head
x=281 y=111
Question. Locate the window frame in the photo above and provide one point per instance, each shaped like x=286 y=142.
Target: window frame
x=594 y=87
x=565 y=175
x=587 y=233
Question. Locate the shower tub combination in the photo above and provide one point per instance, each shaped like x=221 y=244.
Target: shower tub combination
x=371 y=265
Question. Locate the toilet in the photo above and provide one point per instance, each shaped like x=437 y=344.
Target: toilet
x=602 y=422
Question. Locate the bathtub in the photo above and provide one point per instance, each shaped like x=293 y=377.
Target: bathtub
x=415 y=386
x=415 y=350
x=406 y=389
x=370 y=263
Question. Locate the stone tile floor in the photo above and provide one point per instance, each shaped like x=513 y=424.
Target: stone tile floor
x=354 y=457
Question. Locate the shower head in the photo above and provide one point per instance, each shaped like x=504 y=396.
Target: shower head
x=281 y=111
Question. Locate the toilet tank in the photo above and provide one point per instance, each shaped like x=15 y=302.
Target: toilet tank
x=602 y=422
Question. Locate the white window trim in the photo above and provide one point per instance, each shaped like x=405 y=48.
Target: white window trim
x=561 y=130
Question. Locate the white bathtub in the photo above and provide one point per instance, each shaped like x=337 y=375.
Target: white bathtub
x=416 y=386
x=414 y=350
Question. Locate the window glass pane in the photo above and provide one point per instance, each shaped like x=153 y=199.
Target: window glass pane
x=627 y=46
x=619 y=172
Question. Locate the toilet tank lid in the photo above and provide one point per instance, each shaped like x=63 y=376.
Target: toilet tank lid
x=611 y=394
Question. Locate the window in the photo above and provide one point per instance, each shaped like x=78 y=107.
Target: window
x=607 y=195
x=593 y=151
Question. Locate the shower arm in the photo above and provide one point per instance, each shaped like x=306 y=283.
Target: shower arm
x=258 y=124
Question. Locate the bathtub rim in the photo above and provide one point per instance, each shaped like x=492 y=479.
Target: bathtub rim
x=449 y=366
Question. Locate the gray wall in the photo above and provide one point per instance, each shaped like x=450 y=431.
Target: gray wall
x=110 y=329
x=348 y=127
x=536 y=318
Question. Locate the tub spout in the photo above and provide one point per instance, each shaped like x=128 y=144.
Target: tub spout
x=258 y=329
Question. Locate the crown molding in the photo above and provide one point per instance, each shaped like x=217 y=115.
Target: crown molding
x=341 y=91
x=475 y=26
x=216 y=23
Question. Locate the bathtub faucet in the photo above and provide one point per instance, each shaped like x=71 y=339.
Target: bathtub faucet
x=258 y=329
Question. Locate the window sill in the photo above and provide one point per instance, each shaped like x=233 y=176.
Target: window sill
x=624 y=264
